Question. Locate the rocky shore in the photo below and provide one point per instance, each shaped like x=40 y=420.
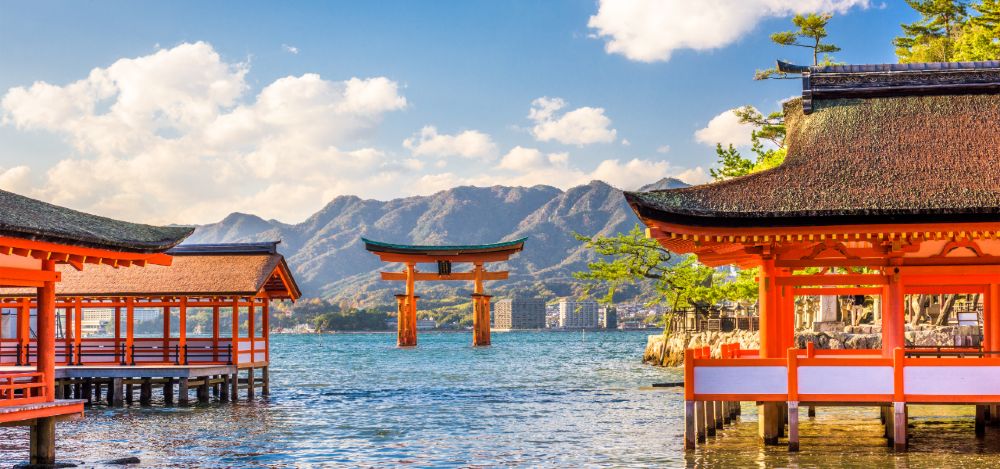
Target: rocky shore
x=669 y=351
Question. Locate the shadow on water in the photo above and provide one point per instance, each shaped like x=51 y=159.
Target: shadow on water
x=532 y=399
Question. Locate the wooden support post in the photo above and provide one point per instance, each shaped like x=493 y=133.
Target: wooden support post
x=893 y=323
x=690 y=425
x=407 y=321
x=203 y=390
x=145 y=392
x=182 y=331
x=88 y=391
x=994 y=415
x=980 y=420
x=480 y=320
x=719 y=417
x=215 y=388
x=46 y=334
x=224 y=396
x=793 y=426
x=129 y=393
x=812 y=411
x=727 y=412
x=250 y=384
x=168 y=391
x=700 y=419
x=234 y=386
x=43 y=442
x=265 y=374
x=710 y=418
x=899 y=426
x=184 y=394
x=60 y=389
x=129 y=327
x=98 y=385
x=768 y=421
x=119 y=390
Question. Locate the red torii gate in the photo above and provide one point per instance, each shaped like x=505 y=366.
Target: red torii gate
x=444 y=257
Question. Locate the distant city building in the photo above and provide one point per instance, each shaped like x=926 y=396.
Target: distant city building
x=578 y=314
x=519 y=313
x=607 y=317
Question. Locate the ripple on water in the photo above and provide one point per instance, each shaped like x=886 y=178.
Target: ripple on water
x=532 y=399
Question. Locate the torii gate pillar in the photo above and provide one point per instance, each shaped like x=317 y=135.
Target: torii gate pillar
x=480 y=319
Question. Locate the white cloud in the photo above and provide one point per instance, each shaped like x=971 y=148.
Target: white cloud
x=468 y=144
x=626 y=142
x=581 y=126
x=290 y=49
x=651 y=30
x=726 y=129
x=173 y=137
x=663 y=149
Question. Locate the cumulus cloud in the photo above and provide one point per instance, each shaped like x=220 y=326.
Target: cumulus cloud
x=174 y=137
x=468 y=144
x=290 y=49
x=726 y=129
x=651 y=30
x=581 y=126
x=663 y=149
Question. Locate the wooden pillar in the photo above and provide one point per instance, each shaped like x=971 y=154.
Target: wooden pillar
x=224 y=395
x=793 y=426
x=23 y=330
x=719 y=414
x=406 y=329
x=251 y=326
x=236 y=330
x=215 y=333
x=701 y=420
x=234 y=386
x=250 y=384
x=145 y=392
x=690 y=411
x=43 y=442
x=129 y=326
x=119 y=391
x=78 y=328
x=899 y=426
x=203 y=390
x=893 y=323
x=46 y=332
x=118 y=330
x=980 y=420
x=710 y=418
x=812 y=411
x=266 y=315
x=168 y=391
x=769 y=418
x=184 y=394
x=88 y=390
x=129 y=392
x=993 y=312
x=480 y=320
x=166 y=331
x=182 y=331
x=787 y=313
x=265 y=374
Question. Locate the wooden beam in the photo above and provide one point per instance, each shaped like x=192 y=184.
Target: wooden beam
x=419 y=259
x=429 y=276
x=818 y=280
x=836 y=291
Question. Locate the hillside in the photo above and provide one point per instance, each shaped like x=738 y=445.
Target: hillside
x=329 y=261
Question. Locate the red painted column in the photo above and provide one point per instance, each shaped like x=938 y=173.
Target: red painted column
x=46 y=332
x=993 y=310
x=770 y=319
x=893 y=322
x=787 y=312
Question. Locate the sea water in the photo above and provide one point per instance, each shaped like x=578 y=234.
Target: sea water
x=538 y=399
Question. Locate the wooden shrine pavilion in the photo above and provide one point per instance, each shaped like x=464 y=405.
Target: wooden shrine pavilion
x=891 y=187
x=444 y=257
x=37 y=240
x=198 y=323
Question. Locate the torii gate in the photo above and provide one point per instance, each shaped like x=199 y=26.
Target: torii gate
x=444 y=257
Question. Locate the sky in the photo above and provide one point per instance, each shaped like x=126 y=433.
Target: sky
x=183 y=112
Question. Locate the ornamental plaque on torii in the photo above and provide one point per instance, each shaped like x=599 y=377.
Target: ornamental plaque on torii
x=445 y=257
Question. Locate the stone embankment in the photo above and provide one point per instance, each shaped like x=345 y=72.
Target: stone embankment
x=669 y=351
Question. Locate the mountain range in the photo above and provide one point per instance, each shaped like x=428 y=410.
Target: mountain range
x=329 y=260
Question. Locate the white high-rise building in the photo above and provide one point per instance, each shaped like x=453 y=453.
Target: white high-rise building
x=578 y=314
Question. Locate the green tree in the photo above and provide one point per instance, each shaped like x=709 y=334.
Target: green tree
x=980 y=36
x=810 y=35
x=769 y=128
x=933 y=37
x=677 y=283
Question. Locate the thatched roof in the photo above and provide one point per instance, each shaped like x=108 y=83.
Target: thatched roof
x=889 y=159
x=22 y=217
x=197 y=270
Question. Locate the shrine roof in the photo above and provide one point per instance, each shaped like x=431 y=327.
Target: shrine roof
x=904 y=153
x=26 y=218
x=438 y=250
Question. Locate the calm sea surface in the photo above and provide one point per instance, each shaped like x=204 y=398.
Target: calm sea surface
x=532 y=399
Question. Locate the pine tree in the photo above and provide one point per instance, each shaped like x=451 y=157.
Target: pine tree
x=810 y=35
x=932 y=38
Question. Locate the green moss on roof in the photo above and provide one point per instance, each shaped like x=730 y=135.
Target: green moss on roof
x=23 y=217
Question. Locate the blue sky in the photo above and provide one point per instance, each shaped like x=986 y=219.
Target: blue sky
x=152 y=140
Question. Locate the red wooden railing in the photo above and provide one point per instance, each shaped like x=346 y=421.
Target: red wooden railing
x=21 y=388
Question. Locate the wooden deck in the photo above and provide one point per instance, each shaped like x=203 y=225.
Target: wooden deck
x=25 y=415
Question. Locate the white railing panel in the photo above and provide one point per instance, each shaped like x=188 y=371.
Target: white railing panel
x=952 y=380
x=845 y=379
x=740 y=380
